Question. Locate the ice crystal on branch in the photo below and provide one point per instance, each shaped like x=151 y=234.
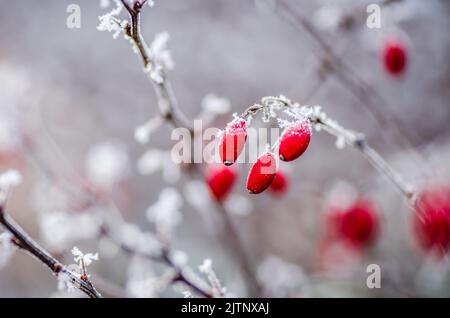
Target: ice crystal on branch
x=65 y=283
x=161 y=58
x=206 y=268
x=110 y=22
x=79 y=256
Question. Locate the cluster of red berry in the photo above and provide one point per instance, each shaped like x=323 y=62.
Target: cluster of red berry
x=264 y=173
x=358 y=225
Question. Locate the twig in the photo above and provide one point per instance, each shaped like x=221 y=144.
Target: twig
x=163 y=258
x=23 y=241
x=167 y=103
x=356 y=84
x=181 y=275
x=351 y=138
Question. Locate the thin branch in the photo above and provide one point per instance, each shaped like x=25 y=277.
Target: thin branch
x=368 y=95
x=181 y=276
x=350 y=137
x=163 y=258
x=23 y=241
x=167 y=102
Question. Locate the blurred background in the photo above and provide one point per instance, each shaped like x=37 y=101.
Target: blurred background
x=71 y=99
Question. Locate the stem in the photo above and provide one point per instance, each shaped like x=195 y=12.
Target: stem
x=369 y=96
x=22 y=240
x=351 y=138
x=181 y=276
x=165 y=259
x=359 y=142
x=167 y=102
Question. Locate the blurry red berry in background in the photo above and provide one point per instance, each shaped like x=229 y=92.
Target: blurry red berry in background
x=280 y=183
x=432 y=219
x=395 y=57
x=11 y=158
x=295 y=141
x=357 y=224
x=233 y=141
x=262 y=173
x=220 y=180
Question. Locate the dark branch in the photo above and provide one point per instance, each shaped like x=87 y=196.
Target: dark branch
x=23 y=241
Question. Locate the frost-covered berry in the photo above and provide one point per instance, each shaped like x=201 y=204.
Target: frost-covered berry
x=395 y=57
x=220 y=180
x=262 y=173
x=233 y=141
x=280 y=183
x=356 y=225
x=432 y=219
x=295 y=141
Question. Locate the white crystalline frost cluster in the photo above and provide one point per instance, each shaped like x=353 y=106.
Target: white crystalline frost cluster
x=206 y=269
x=79 y=256
x=110 y=22
x=161 y=58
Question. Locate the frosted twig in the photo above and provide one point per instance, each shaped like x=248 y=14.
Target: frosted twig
x=167 y=103
x=368 y=95
x=164 y=258
x=352 y=138
x=23 y=241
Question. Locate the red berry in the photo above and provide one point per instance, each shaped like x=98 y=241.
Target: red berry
x=432 y=219
x=395 y=58
x=280 y=183
x=262 y=173
x=295 y=141
x=233 y=141
x=356 y=225
x=220 y=180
